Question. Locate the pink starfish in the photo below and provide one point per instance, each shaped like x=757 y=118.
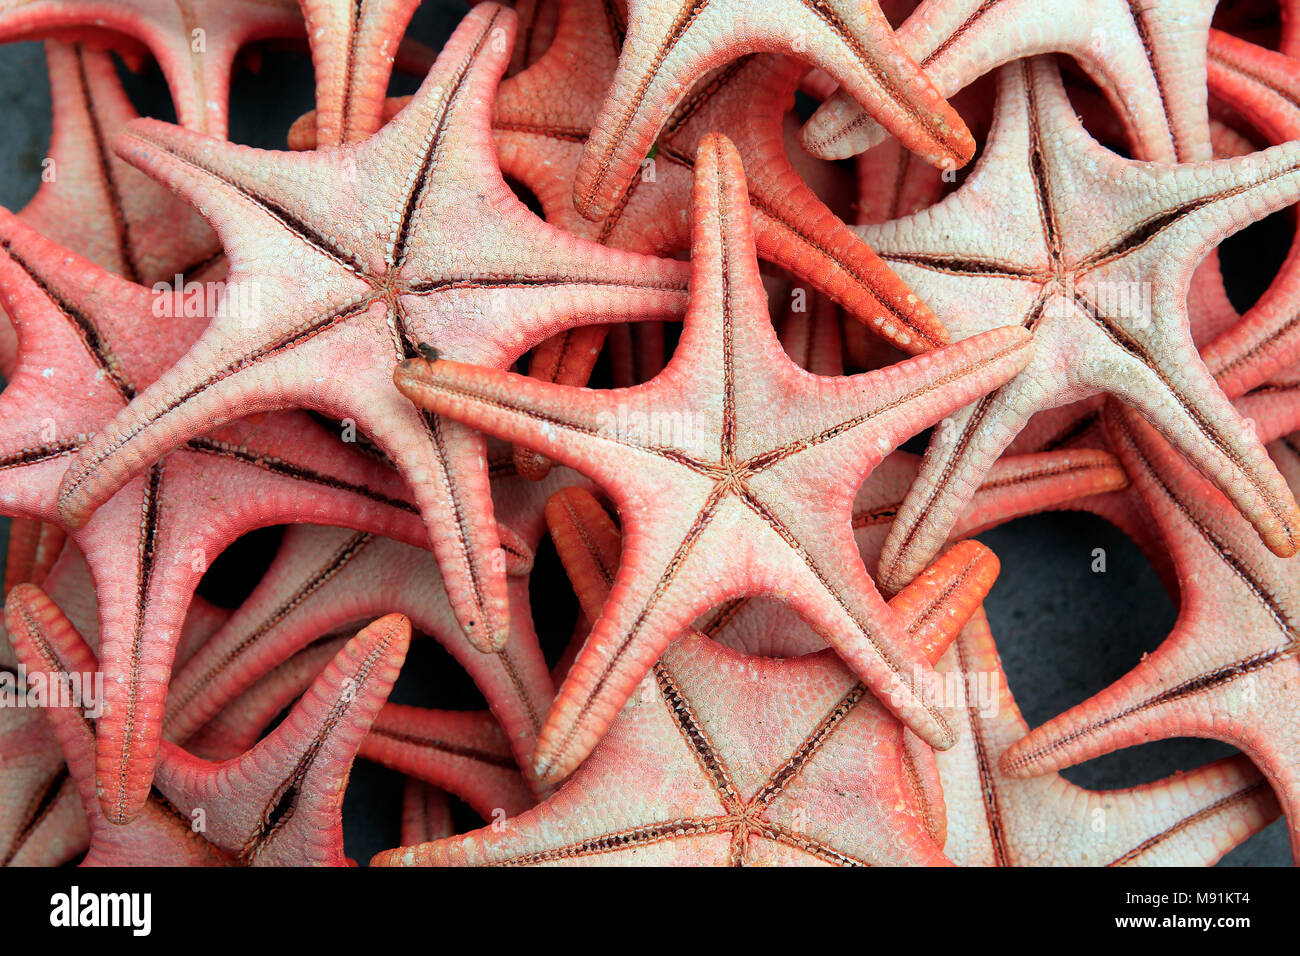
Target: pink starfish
x=89 y=343
x=671 y=44
x=996 y=820
x=1231 y=667
x=733 y=759
x=194 y=41
x=1149 y=59
x=410 y=238
x=734 y=471
x=1103 y=293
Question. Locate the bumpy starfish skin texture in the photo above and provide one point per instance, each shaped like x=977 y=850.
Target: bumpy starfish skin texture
x=1103 y=294
x=1231 y=665
x=996 y=820
x=670 y=44
x=408 y=239
x=1149 y=59
x=89 y=342
x=194 y=41
x=745 y=760
x=744 y=435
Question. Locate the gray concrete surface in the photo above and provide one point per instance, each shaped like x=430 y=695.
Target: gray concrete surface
x=1064 y=632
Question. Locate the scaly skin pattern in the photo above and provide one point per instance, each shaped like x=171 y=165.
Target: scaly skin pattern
x=1104 y=295
x=744 y=435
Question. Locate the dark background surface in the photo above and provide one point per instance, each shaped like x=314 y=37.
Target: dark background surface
x=1064 y=633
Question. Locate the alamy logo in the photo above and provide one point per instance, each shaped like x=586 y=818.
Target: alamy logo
x=75 y=909
x=53 y=689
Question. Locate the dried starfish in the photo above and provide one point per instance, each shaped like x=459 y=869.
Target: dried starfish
x=1151 y=64
x=194 y=41
x=280 y=803
x=1104 y=295
x=734 y=470
x=357 y=258
x=1229 y=670
x=753 y=760
x=89 y=343
x=994 y=820
x=47 y=643
x=671 y=44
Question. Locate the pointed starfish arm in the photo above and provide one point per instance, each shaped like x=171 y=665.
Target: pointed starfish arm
x=280 y=802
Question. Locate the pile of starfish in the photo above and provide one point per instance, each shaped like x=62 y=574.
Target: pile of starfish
x=668 y=283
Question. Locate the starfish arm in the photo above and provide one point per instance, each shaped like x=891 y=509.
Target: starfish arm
x=462 y=752
x=34 y=546
x=957 y=460
x=426 y=813
x=47 y=642
x=1151 y=67
x=1262 y=85
x=279 y=803
x=239 y=726
x=670 y=43
x=1230 y=688
x=1020 y=485
x=352 y=47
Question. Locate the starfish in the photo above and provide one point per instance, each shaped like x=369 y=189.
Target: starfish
x=1230 y=668
x=356 y=258
x=353 y=43
x=280 y=803
x=48 y=644
x=97 y=205
x=734 y=470
x=325 y=578
x=1263 y=87
x=671 y=44
x=426 y=813
x=89 y=343
x=753 y=760
x=1151 y=65
x=995 y=820
x=1103 y=294
x=34 y=546
x=194 y=41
